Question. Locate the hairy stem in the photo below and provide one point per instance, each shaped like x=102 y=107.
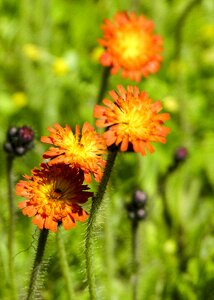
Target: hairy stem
x=90 y=233
x=64 y=266
x=37 y=263
x=134 y=259
x=10 y=160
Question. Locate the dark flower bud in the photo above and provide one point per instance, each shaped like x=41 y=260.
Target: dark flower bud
x=139 y=198
x=136 y=208
x=19 y=140
x=140 y=214
x=12 y=132
x=180 y=154
x=25 y=134
x=131 y=215
x=20 y=150
x=8 y=147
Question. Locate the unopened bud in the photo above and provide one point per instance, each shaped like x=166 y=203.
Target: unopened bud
x=20 y=150
x=180 y=154
x=25 y=134
x=136 y=208
x=19 y=140
x=139 y=198
x=140 y=214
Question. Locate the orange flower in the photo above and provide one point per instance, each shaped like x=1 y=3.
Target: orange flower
x=53 y=194
x=131 y=46
x=132 y=120
x=78 y=150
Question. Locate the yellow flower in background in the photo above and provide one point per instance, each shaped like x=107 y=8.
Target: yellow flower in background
x=170 y=246
x=32 y=52
x=20 y=99
x=207 y=32
x=96 y=53
x=60 y=67
x=171 y=104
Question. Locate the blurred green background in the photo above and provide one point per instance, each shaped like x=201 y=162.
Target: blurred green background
x=49 y=72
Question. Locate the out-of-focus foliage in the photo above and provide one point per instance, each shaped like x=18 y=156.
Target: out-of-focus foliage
x=50 y=73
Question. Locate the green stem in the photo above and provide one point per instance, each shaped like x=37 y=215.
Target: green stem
x=90 y=233
x=135 y=5
x=180 y=25
x=10 y=160
x=166 y=211
x=103 y=85
x=64 y=265
x=108 y=245
x=37 y=262
x=134 y=259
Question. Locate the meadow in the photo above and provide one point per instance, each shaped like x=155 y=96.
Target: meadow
x=152 y=236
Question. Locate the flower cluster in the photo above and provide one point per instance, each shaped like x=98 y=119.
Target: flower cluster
x=54 y=192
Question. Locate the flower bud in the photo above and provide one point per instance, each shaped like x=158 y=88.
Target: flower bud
x=19 y=140
x=180 y=154
x=136 y=208
x=25 y=134
x=139 y=198
x=140 y=214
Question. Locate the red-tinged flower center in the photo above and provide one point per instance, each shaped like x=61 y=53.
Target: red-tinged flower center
x=53 y=195
x=59 y=190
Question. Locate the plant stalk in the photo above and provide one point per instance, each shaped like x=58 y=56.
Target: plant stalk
x=104 y=84
x=64 y=266
x=10 y=160
x=90 y=232
x=134 y=259
x=37 y=262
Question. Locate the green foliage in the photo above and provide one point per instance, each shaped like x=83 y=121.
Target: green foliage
x=50 y=74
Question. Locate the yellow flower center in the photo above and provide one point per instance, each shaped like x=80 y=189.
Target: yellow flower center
x=85 y=149
x=131 y=44
x=135 y=121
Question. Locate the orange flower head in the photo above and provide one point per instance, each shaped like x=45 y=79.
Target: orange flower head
x=131 y=46
x=132 y=120
x=83 y=150
x=53 y=194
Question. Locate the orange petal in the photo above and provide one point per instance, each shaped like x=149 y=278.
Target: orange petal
x=68 y=222
x=51 y=224
x=22 y=204
x=39 y=221
x=81 y=216
x=30 y=211
x=124 y=144
x=149 y=147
